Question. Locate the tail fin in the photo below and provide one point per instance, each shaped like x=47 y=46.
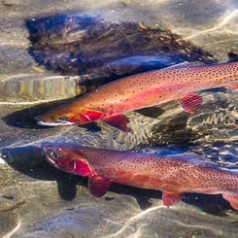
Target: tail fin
x=232 y=198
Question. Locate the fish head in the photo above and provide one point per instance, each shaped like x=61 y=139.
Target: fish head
x=67 y=159
x=61 y=116
x=68 y=115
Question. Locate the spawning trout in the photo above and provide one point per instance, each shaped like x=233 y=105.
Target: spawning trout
x=139 y=91
x=172 y=174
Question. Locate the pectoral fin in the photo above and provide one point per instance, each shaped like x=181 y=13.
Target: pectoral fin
x=190 y=102
x=169 y=198
x=232 y=198
x=98 y=186
x=119 y=122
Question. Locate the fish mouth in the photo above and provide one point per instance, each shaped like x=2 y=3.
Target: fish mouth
x=51 y=161
x=61 y=123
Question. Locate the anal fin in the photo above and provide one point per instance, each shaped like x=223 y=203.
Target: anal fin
x=232 y=198
x=119 y=122
x=169 y=198
x=190 y=102
x=98 y=186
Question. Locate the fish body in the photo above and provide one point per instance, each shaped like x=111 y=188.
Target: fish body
x=139 y=91
x=173 y=174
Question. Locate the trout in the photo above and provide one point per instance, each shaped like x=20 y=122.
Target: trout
x=172 y=174
x=111 y=101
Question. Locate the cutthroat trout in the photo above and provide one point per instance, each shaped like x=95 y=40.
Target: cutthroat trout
x=173 y=174
x=139 y=91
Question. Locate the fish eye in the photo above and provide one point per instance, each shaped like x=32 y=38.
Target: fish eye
x=63 y=118
x=55 y=155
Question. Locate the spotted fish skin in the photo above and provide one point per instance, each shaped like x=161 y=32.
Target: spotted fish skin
x=141 y=91
x=172 y=174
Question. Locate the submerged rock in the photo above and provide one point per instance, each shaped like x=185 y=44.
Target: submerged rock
x=100 y=50
x=71 y=54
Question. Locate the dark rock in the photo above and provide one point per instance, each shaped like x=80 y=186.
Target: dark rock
x=83 y=45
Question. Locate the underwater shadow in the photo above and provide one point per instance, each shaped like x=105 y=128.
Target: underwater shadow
x=211 y=204
x=30 y=161
x=25 y=118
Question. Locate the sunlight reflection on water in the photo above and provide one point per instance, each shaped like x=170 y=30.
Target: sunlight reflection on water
x=33 y=200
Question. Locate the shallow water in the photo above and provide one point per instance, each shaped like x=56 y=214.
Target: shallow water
x=37 y=200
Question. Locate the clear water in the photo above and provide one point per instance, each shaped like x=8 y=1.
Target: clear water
x=117 y=38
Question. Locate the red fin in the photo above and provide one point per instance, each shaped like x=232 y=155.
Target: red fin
x=119 y=122
x=169 y=198
x=98 y=186
x=232 y=198
x=190 y=102
x=233 y=86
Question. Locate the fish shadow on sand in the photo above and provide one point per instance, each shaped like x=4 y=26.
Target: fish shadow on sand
x=24 y=118
x=31 y=162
